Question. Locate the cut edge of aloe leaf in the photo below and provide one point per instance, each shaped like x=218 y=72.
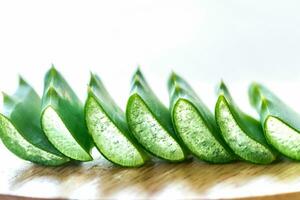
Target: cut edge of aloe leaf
x=111 y=139
x=280 y=122
x=20 y=129
x=196 y=135
x=18 y=145
x=61 y=138
x=282 y=137
x=62 y=118
x=150 y=133
x=150 y=122
x=195 y=124
x=237 y=139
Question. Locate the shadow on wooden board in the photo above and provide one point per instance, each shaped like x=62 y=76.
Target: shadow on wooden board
x=150 y=180
x=289 y=196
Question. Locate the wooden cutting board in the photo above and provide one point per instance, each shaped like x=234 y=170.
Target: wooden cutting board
x=192 y=179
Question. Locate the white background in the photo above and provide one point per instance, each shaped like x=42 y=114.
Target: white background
x=204 y=41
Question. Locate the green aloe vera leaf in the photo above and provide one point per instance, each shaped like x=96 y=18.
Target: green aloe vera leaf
x=243 y=134
x=281 y=124
x=195 y=124
x=106 y=123
x=62 y=118
x=20 y=128
x=150 y=122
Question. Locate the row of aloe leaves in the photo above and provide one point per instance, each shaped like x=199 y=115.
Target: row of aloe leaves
x=58 y=129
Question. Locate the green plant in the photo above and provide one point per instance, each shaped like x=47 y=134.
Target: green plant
x=195 y=124
x=243 y=134
x=20 y=128
x=281 y=124
x=62 y=118
x=107 y=125
x=150 y=122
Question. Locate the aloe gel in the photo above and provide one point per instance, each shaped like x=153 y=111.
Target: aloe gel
x=106 y=123
x=62 y=118
x=280 y=123
x=150 y=122
x=20 y=129
x=195 y=124
x=243 y=134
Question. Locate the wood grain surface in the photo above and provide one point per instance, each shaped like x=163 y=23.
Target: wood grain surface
x=189 y=180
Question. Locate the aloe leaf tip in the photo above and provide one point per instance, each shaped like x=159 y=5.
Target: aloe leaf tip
x=94 y=79
x=52 y=72
x=7 y=99
x=22 y=81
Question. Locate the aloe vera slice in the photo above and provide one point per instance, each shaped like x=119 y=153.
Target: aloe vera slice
x=243 y=134
x=106 y=123
x=195 y=124
x=20 y=129
x=280 y=123
x=62 y=118
x=150 y=122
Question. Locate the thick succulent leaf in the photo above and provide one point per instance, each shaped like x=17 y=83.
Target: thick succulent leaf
x=195 y=123
x=107 y=125
x=242 y=133
x=267 y=103
x=97 y=90
x=281 y=124
x=247 y=123
x=140 y=86
x=150 y=122
x=59 y=96
x=21 y=118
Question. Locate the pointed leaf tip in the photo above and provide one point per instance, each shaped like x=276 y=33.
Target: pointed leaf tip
x=52 y=71
x=138 y=68
x=255 y=85
x=222 y=85
x=138 y=72
x=92 y=79
x=22 y=81
x=95 y=80
x=92 y=74
x=173 y=75
x=138 y=77
x=7 y=98
x=4 y=94
x=222 y=88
